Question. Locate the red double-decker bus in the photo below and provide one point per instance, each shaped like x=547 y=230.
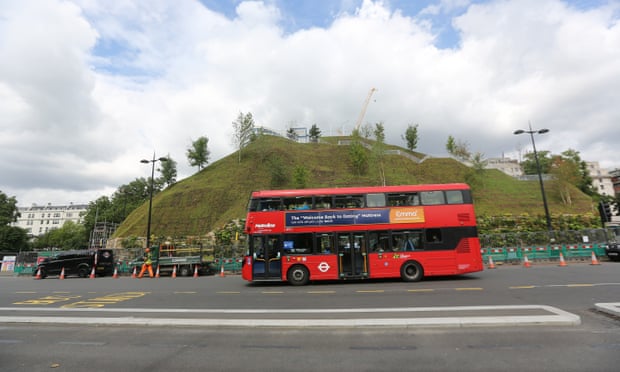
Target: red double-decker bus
x=361 y=233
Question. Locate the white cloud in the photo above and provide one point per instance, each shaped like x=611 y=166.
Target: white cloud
x=97 y=86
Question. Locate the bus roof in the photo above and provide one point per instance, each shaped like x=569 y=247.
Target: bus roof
x=358 y=190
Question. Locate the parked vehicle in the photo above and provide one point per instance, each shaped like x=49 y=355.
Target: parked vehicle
x=77 y=262
x=613 y=251
x=167 y=258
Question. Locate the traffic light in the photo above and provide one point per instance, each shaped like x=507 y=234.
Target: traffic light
x=604 y=208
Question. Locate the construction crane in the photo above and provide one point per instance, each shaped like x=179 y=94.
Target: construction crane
x=364 y=107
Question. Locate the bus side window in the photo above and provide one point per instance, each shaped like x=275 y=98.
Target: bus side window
x=323 y=202
x=413 y=199
x=375 y=200
x=325 y=243
x=433 y=235
x=432 y=197
x=402 y=200
x=269 y=205
x=454 y=197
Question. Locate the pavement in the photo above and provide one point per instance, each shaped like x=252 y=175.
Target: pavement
x=611 y=308
x=409 y=317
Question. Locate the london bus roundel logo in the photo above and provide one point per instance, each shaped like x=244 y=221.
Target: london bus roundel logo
x=323 y=267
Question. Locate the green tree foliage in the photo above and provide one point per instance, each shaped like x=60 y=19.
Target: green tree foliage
x=584 y=181
x=116 y=208
x=243 y=131
x=569 y=170
x=411 y=136
x=290 y=134
x=315 y=133
x=475 y=178
x=300 y=177
x=12 y=238
x=358 y=155
x=529 y=162
x=378 y=151
x=366 y=131
x=8 y=210
x=198 y=154
x=451 y=145
x=168 y=170
x=69 y=236
x=458 y=149
x=230 y=232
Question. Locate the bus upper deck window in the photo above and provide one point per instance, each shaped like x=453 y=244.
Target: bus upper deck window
x=432 y=197
x=454 y=197
x=375 y=200
x=269 y=205
x=348 y=201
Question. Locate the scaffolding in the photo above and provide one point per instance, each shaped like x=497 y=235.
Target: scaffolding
x=101 y=233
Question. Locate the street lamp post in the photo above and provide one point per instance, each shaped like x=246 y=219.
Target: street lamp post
x=148 y=224
x=542 y=188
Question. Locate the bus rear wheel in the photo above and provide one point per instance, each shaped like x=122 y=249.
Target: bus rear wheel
x=411 y=271
x=298 y=275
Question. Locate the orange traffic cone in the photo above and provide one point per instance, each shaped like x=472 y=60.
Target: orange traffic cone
x=195 y=271
x=115 y=275
x=562 y=262
x=594 y=260
x=222 y=271
x=62 y=273
x=526 y=262
x=92 y=273
x=134 y=273
x=38 y=276
x=174 y=271
x=491 y=264
x=157 y=272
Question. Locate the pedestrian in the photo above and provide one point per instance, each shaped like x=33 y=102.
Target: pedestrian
x=147 y=265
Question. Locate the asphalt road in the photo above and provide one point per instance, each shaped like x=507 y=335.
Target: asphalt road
x=129 y=324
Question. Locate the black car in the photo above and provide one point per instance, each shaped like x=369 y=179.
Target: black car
x=77 y=262
x=613 y=251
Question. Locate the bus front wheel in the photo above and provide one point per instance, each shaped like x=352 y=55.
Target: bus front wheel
x=298 y=275
x=411 y=271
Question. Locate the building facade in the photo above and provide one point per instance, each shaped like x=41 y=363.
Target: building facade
x=509 y=166
x=601 y=179
x=38 y=220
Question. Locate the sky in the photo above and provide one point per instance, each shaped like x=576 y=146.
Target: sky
x=88 y=88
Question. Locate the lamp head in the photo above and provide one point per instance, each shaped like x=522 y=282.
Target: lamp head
x=144 y=161
x=519 y=131
x=543 y=131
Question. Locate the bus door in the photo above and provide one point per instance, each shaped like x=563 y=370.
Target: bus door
x=267 y=257
x=352 y=255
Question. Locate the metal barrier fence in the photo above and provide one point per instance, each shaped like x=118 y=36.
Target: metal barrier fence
x=231 y=265
x=543 y=253
x=513 y=247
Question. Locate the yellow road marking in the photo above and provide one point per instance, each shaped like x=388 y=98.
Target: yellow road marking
x=47 y=300
x=106 y=300
x=187 y=292
x=580 y=285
